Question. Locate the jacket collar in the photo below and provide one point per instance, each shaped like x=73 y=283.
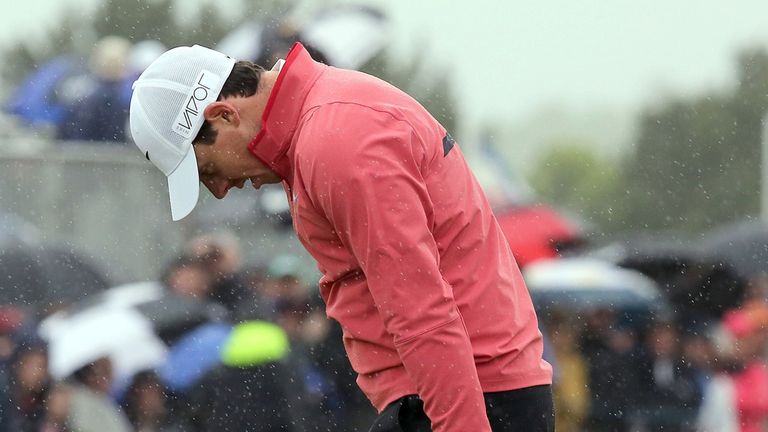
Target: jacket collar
x=283 y=109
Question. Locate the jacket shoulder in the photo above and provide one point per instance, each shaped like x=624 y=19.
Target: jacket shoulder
x=350 y=127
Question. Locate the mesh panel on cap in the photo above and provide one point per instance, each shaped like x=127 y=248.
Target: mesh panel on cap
x=160 y=95
x=161 y=107
x=165 y=149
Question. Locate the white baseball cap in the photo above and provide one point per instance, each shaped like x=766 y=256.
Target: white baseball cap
x=167 y=112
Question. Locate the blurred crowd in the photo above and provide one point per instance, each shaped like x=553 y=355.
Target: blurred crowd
x=62 y=94
x=255 y=386
x=86 y=97
x=279 y=364
x=663 y=372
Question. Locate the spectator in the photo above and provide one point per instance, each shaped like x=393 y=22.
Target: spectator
x=189 y=284
x=188 y=278
x=352 y=406
x=30 y=386
x=278 y=283
x=57 y=409
x=90 y=407
x=256 y=308
x=668 y=396
x=306 y=327
x=220 y=250
x=609 y=347
x=698 y=353
x=737 y=398
x=103 y=88
x=284 y=281
x=317 y=356
x=298 y=312
x=11 y=319
x=571 y=389
x=7 y=414
x=221 y=255
x=145 y=405
x=253 y=389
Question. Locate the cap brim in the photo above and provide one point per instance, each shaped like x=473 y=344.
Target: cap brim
x=184 y=186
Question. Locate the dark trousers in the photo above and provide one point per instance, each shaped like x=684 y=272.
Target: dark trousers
x=524 y=410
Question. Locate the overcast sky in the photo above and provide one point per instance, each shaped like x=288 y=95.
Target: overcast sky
x=512 y=58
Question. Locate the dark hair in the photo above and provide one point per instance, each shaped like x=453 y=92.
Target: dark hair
x=243 y=81
x=130 y=402
x=83 y=374
x=181 y=262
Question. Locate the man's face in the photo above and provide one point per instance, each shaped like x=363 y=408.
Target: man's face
x=190 y=281
x=228 y=163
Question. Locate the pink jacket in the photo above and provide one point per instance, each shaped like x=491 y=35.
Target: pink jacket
x=415 y=267
x=751 y=385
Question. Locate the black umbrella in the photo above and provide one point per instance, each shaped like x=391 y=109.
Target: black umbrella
x=693 y=281
x=47 y=276
x=742 y=246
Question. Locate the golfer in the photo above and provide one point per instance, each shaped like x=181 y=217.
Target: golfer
x=437 y=321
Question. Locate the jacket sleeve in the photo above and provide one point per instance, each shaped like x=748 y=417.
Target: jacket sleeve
x=370 y=183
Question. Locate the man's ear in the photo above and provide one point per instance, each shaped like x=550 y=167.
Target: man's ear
x=222 y=112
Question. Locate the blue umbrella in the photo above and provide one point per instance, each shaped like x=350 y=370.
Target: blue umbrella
x=35 y=100
x=193 y=355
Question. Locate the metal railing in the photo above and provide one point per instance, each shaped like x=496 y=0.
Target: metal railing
x=107 y=201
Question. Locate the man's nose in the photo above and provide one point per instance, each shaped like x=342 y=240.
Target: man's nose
x=218 y=187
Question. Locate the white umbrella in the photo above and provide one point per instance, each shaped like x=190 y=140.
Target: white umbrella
x=167 y=314
x=126 y=295
x=132 y=294
x=244 y=42
x=348 y=35
x=583 y=283
x=122 y=334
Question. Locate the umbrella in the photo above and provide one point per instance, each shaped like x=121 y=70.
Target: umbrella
x=131 y=294
x=16 y=231
x=345 y=36
x=536 y=232
x=47 y=276
x=694 y=281
x=348 y=35
x=503 y=186
x=584 y=284
x=168 y=314
x=35 y=101
x=194 y=354
x=743 y=246
x=244 y=42
x=122 y=334
x=133 y=324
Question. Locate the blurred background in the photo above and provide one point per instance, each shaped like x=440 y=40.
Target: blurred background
x=623 y=147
